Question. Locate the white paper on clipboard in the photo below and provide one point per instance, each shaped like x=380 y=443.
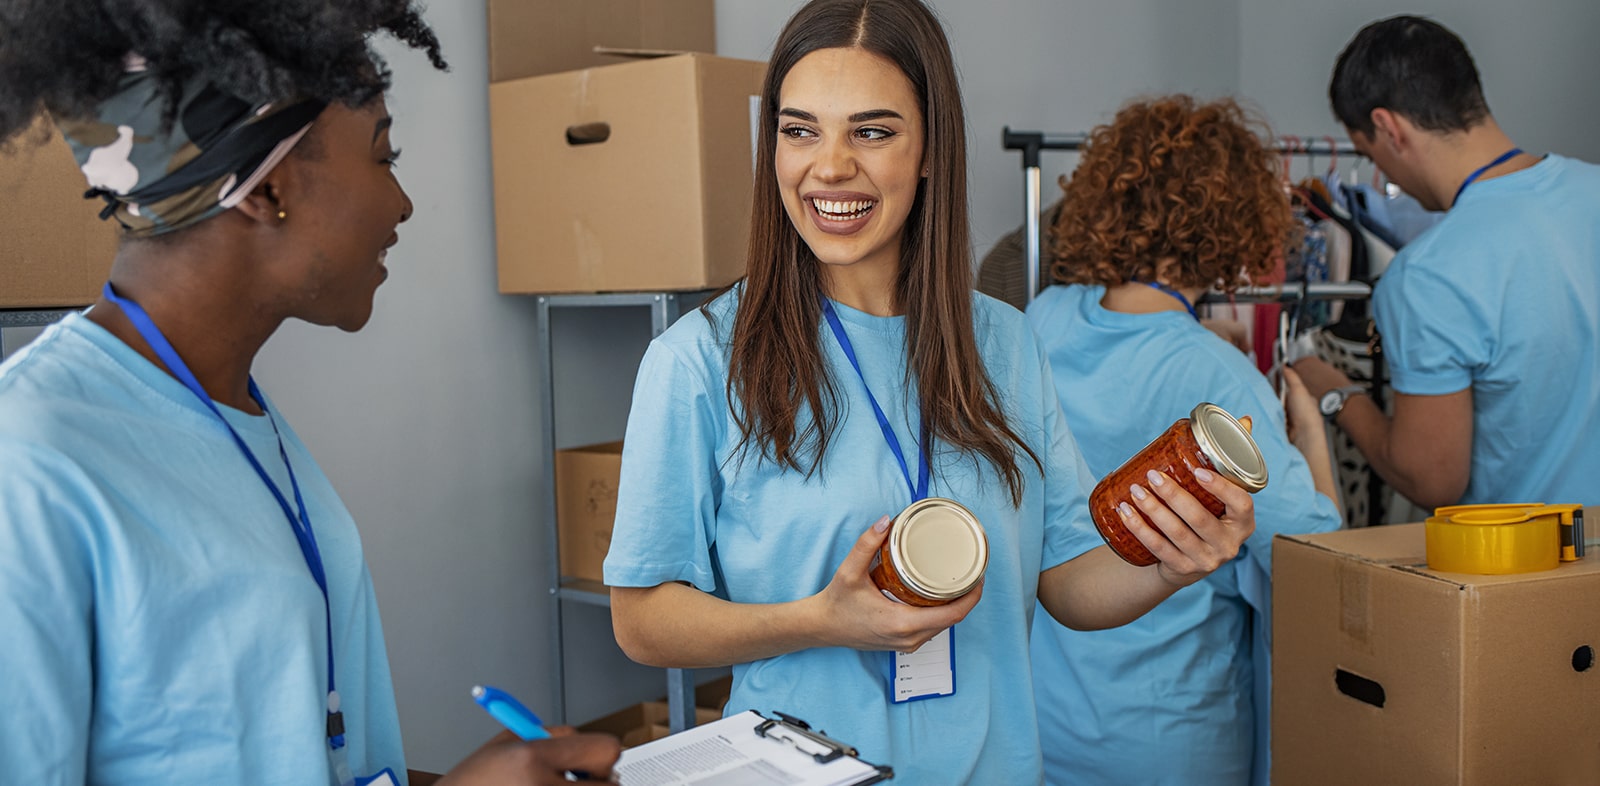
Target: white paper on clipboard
x=730 y=752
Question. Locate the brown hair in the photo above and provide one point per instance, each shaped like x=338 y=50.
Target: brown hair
x=1171 y=179
x=776 y=368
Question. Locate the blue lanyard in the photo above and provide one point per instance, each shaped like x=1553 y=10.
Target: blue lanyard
x=301 y=523
x=1504 y=157
x=1175 y=293
x=920 y=489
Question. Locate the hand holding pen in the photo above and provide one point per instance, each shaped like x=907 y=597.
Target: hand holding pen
x=529 y=753
x=504 y=707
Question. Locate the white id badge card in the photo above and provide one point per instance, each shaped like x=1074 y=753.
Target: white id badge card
x=385 y=777
x=927 y=673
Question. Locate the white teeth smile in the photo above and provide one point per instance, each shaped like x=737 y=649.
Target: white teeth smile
x=847 y=210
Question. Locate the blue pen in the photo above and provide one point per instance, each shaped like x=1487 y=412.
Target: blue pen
x=510 y=712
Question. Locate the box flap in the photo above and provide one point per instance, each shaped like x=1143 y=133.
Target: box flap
x=599 y=449
x=1396 y=544
x=640 y=53
x=552 y=36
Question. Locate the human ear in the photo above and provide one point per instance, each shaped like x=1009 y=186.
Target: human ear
x=1389 y=127
x=263 y=204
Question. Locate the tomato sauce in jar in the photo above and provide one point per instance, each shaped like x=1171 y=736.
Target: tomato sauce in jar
x=936 y=552
x=1209 y=438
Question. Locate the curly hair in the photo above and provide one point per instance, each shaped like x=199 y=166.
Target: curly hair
x=66 y=56
x=1174 y=179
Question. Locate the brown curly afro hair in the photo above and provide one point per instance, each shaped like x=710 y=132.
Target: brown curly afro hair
x=1174 y=186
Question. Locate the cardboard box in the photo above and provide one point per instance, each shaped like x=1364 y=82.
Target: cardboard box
x=586 y=506
x=648 y=721
x=56 y=251
x=714 y=694
x=643 y=723
x=661 y=204
x=533 y=37
x=1386 y=672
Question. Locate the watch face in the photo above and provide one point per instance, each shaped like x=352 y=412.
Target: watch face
x=1330 y=402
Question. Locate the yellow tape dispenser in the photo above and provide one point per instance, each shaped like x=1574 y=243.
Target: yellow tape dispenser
x=1497 y=539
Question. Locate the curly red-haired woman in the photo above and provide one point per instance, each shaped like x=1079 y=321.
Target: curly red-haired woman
x=1173 y=198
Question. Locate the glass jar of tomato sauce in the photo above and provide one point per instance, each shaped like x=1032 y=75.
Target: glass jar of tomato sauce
x=936 y=552
x=1209 y=438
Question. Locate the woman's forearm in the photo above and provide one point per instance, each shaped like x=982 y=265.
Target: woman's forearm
x=1098 y=590
x=677 y=626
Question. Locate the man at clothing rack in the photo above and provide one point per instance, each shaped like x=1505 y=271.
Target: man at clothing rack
x=1490 y=321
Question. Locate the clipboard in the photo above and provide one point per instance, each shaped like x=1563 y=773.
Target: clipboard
x=748 y=748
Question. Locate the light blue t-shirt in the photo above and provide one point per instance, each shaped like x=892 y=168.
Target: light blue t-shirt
x=688 y=509
x=160 y=625
x=1503 y=296
x=1167 y=698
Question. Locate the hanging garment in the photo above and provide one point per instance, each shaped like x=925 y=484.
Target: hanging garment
x=1002 y=273
x=1399 y=218
x=1339 y=244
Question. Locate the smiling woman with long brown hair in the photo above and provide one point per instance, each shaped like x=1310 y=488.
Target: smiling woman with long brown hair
x=853 y=372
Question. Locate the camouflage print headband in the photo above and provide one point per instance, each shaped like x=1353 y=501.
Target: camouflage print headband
x=157 y=179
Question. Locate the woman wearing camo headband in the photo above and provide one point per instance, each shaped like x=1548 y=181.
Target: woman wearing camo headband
x=183 y=595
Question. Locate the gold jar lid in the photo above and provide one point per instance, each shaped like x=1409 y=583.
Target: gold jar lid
x=1227 y=443
x=939 y=548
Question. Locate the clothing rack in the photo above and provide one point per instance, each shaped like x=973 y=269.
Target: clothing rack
x=1291 y=293
x=1031 y=142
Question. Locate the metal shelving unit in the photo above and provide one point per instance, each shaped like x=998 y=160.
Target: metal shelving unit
x=665 y=308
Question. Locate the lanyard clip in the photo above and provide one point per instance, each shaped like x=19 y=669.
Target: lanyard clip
x=336 y=730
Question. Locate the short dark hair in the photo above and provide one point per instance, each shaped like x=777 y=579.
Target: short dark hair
x=1413 y=67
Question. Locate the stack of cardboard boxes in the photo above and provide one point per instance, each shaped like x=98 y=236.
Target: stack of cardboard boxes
x=624 y=171
x=632 y=177
x=55 y=251
x=616 y=173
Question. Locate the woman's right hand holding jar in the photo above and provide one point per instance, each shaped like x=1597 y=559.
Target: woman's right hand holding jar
x=1186 y=539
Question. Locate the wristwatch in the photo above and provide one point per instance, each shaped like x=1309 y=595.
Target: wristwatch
x=1332 y=402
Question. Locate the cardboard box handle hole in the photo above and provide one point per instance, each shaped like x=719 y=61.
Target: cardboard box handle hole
x=1582 y=658
x=1358 y=687
x=588 y=134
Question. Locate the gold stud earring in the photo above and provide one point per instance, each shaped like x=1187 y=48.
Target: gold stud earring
x=283 y=214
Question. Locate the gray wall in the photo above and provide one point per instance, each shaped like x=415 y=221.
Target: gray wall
x=1537 y=59
x=427 y=420
x=1043 y=65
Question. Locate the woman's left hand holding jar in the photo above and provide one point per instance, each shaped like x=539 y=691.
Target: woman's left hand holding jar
x=1190 y=542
